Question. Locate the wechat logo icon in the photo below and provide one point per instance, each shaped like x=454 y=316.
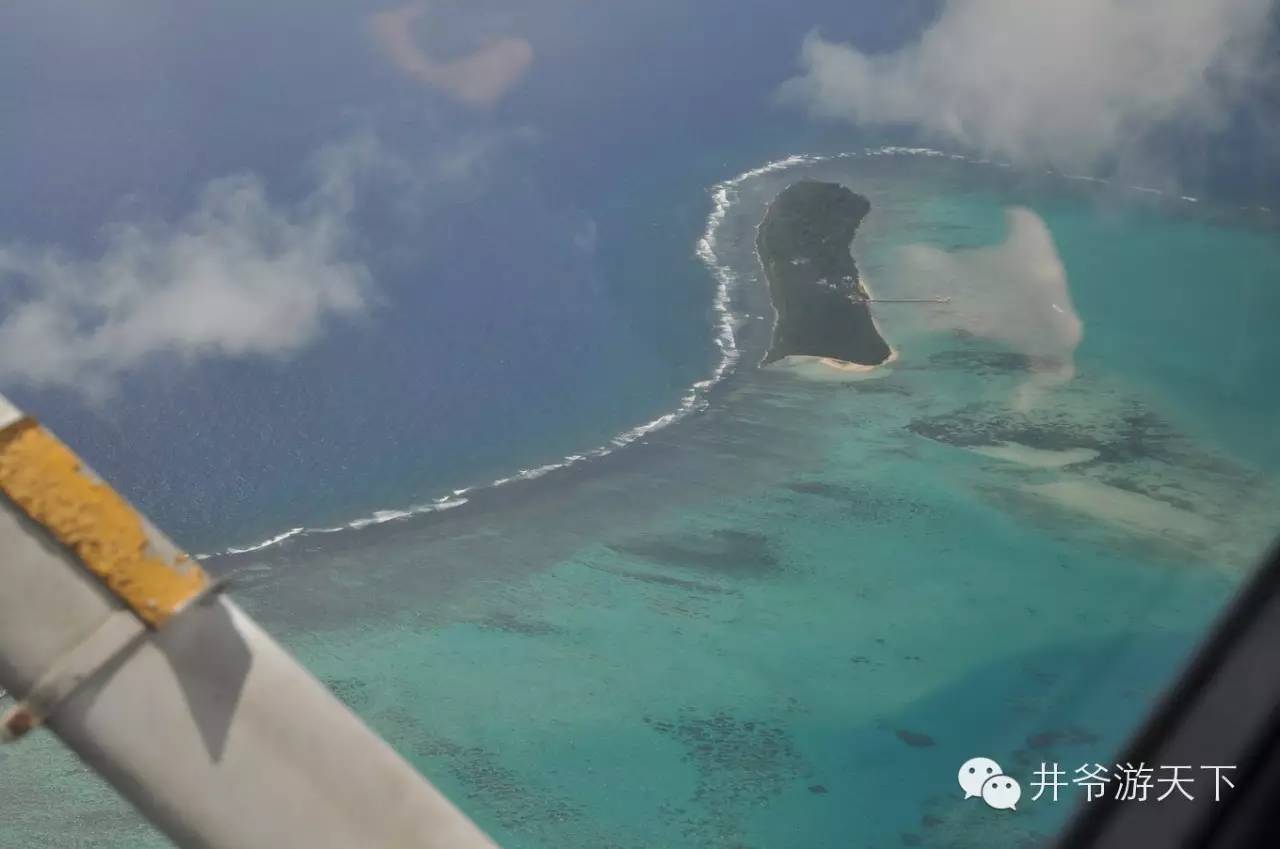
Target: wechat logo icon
x=983 y=778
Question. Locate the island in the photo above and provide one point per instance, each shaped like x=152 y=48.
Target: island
x=819 y=298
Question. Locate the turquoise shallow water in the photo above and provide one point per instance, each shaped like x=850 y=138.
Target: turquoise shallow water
x=787 y=619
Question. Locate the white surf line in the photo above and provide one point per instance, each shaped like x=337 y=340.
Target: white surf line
x=723 y=195
x=694 y=399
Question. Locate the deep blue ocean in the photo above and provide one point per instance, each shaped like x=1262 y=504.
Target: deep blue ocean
x=499 y=342
x=786 y=617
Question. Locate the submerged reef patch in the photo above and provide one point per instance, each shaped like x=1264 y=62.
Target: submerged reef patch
x=741 y=765
x=512 y=798
x=722 y=552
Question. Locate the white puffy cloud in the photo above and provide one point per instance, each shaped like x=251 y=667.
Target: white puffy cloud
x=239 y=275
x=1067 y=83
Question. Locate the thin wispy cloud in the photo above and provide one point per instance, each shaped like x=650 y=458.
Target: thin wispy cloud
x=470 y=155
x=480 y=78
x=1069 y=84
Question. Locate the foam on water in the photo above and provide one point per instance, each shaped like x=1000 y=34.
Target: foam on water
x=278 y=538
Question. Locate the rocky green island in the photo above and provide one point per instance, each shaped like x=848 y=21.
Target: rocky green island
x=821 y=303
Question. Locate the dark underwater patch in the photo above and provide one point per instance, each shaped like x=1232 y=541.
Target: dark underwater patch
x=511 y=798
x=513 y=624
x=662 y=580
x=981 y=362
x=879 y=386
x=1073 y=736
x=914 y=739
x=741 y=764
x=834 y=491
x=1159 y=493
x=722 y=552
x=352 y=692
x=862 y=502
x=1135 y=435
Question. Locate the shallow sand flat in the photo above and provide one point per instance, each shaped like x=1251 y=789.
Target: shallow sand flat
x=1121 y=508
x=1038 y=458
x=826 y=369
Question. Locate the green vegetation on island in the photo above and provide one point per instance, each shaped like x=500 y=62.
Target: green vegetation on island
x=804 y=244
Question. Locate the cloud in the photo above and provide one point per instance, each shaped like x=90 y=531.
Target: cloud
x=469 y=156
x=586 y=236
x=480 y=78
x=1068 y=84
x=1015 y=293
x=238 y=276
